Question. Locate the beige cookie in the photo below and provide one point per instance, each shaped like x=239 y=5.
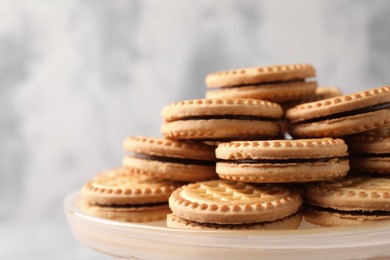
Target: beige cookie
x=133 y=213
x=274 y=83
x=124 y=187
x=319 y=94
x=121 y=194
x=278 y=161
x=172 y=160
x=354 y=193
x=221 y=120
x=369 y=153
x=328 y=217
x=290 y=222
x=224 y=202
x=339 y=116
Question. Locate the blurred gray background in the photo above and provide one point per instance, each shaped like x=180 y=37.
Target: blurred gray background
x=77 y=77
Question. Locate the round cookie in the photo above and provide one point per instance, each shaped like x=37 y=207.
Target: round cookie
x=352 y=193
x=225 y=202
x=289 y=222
x=351 y=200
x=279 y=161
x=147 y=213
x=319 y=94
x=329 y=218
x=124 y=187
x=221 y=120
x=369 y=153
x=171 y=160
x=339 y=116
x=277 y=83
x=121 y=194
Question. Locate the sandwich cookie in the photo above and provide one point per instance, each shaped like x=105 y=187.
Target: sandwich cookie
x=222 y=204
x=339 y=116
x=123 y=195
x=289 y=222
x=222 y=120
x=279 y=161
x=369 y=153
x=278 y=83
x=171 y=160
x=349 y=201
x=319 y=94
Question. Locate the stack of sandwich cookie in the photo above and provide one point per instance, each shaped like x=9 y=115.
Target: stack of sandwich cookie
x=349 y=201
x=123 y=195
x=222 y=120
x=339 y=116
x=171 y=160
x=281 y=161
x=274 y=83
x=222 y=204
x=370 y=152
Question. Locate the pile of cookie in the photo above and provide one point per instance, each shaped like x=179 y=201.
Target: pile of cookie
x=263 y=149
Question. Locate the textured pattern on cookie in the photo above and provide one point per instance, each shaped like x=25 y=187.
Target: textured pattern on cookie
x=328 y=218
x=369 y=144
x=341 y=104
x=204 y=108
x=321 y=93
x=282 y=161
x=124 y=187
x=129 y=213
x=259 y=75
x=280 y=149
x=290 y=222
x=351 y=193
x=227 y=202
x=274 y=91
x=169 y=148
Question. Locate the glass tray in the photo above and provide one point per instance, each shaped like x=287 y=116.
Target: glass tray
x=156 y=241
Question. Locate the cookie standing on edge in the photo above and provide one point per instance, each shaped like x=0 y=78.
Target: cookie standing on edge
x=171 y=160
x=221 y=120
x=369 y=153
x=343 y=115
x=123 y=195
x=222 y=204
x=280 y=161
x=277 y=83
x=348 y=201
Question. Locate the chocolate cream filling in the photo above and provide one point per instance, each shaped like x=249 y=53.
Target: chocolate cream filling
x=345 y=113
x=172 y=159
x=292 y=160
x=260 y=84
x=350 y=212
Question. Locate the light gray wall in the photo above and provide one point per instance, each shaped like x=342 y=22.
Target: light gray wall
x=77 y=77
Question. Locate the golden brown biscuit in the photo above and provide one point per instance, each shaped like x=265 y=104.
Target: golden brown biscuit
x=277 y=161
x=224 y=202
x=172 y=160
x=351 y=200
x=289 y=222
x=345 y=115
x=221 y=120
x=274 y=83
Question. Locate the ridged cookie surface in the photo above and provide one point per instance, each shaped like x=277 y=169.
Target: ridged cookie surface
x=350 y=194
x=221 y=120
x=345 y=115
x=124 y=187
x=224 y=202
x=282 y=161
